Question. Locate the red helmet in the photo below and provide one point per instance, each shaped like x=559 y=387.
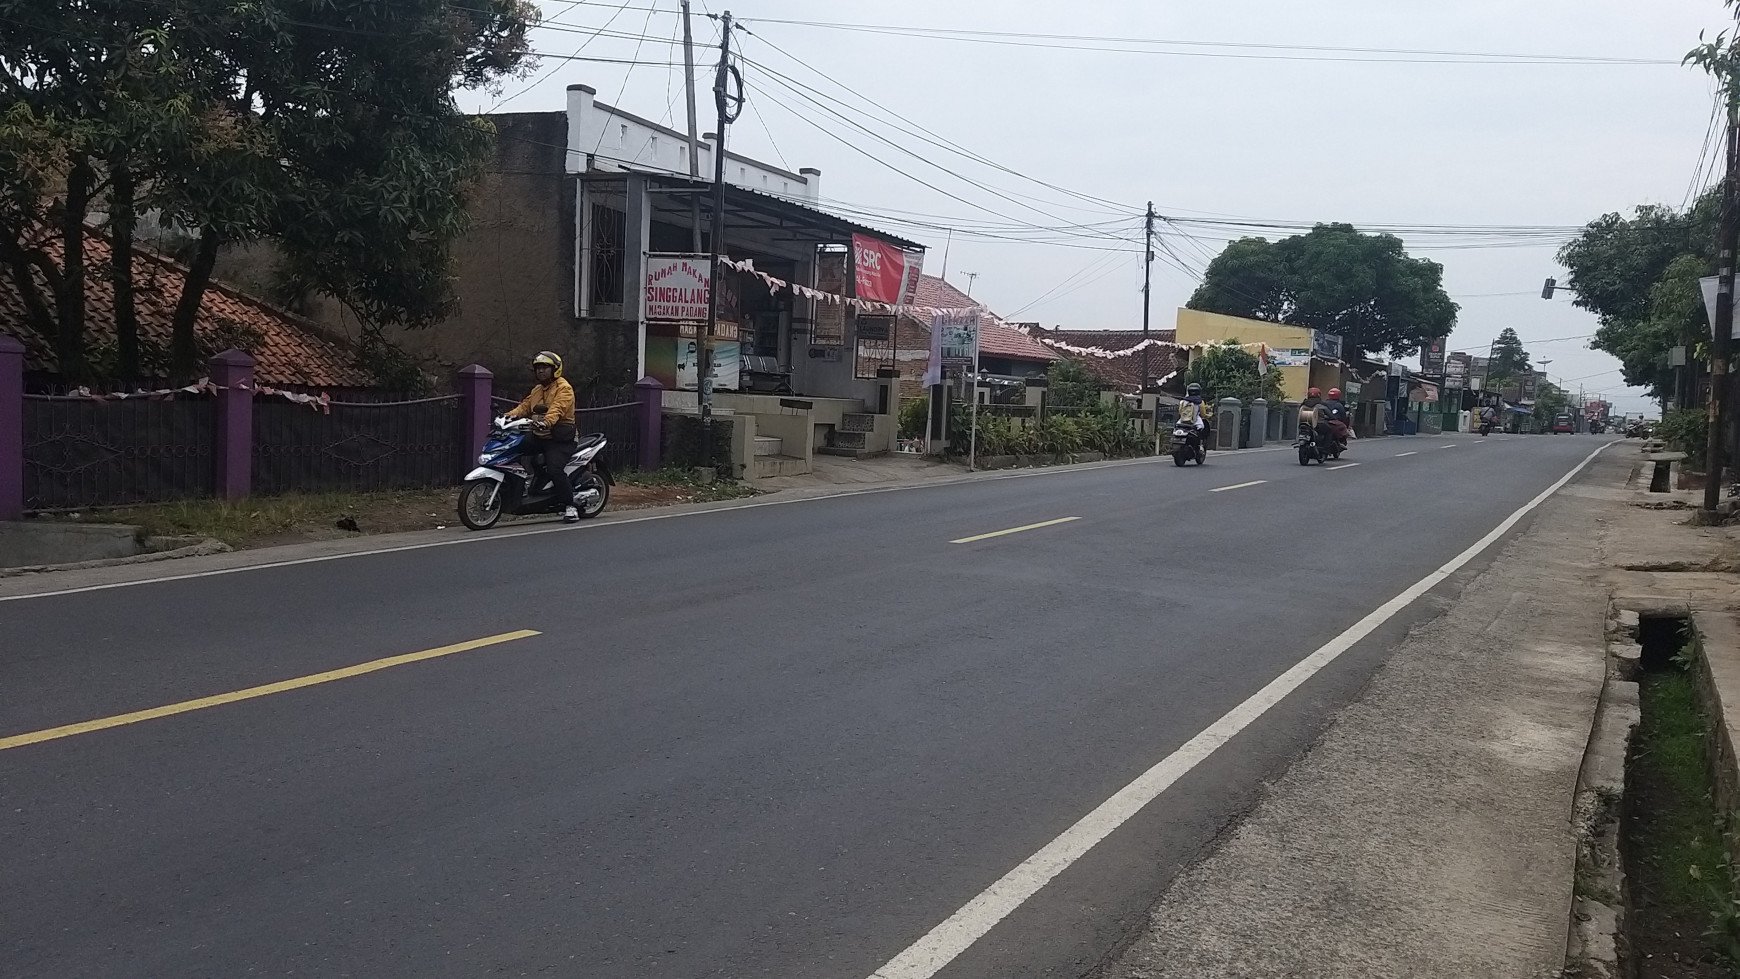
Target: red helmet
x=1335 y=393
x=1314 y=393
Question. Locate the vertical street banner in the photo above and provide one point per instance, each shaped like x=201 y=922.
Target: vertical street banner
x=885 y=273
x=1432 y=355
x=954 y=343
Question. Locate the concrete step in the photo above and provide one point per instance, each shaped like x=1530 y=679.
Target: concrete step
x=770 y=466
x=850 y=453
x=767 y=445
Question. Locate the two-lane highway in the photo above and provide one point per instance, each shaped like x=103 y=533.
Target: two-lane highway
x=782 y=740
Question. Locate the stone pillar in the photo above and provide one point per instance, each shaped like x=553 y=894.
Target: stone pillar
x=11 y=428
x=1226 y=423
x=650 y=393
x=474 y=384
x=233 y=448
x=1259 y=422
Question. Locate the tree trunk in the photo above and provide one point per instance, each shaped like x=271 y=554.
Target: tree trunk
x=122 y=222
x=70 y=298
x=184 y=352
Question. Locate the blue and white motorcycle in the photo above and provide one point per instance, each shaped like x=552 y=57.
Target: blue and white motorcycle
x=510 y=480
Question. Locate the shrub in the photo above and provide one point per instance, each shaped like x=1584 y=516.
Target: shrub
x=1686 y=430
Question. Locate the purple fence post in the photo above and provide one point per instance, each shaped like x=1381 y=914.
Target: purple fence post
x=11 y=428
x=233 y=372
x=475 y=384
x=650 y=393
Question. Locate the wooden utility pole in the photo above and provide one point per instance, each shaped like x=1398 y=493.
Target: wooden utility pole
x=694 y=131
x=722 y=100
x=1147 y=283
x=1723 y=341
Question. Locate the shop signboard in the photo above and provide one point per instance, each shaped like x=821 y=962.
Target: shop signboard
x=677 y=288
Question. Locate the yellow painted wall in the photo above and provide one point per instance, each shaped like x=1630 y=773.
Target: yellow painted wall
x=1196 y=326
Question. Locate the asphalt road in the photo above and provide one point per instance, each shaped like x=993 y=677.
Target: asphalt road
x=775 y=741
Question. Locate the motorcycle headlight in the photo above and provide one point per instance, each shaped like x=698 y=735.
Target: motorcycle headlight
x=483 y=460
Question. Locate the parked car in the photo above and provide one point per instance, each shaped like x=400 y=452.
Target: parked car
x=1564 y=423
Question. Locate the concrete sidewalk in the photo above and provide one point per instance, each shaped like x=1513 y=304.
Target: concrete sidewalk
x=1430 y=830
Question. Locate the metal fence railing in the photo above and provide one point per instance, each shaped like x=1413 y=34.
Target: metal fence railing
x=80 y=452
x=357 y=446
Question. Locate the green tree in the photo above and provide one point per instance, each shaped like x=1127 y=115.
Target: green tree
x=1508 y=362
x=1639 y=276
x=1228 y=370
x=332 y=130
x=1364 y=288
x=1069 y=384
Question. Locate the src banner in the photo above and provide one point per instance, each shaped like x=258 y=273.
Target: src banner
x=886 y=274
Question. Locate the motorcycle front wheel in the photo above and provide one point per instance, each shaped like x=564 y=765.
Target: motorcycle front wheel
x=480 y=504
x=1304 y=457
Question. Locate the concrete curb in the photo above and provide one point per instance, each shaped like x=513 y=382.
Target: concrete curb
x=204 y=548
x=1594 y=945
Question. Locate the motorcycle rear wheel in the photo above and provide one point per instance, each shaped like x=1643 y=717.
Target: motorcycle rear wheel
x=480 y=504
x=591 y=481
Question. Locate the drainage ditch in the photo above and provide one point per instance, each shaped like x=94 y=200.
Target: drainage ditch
x=1681 y=918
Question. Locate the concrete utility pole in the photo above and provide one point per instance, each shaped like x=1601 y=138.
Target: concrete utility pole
x=1724 y=325
x=694 y=131
x=722 y=100
x=1147 y=284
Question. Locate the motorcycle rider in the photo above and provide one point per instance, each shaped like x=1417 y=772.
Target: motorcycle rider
x=1488 y=418
x=550 y=405
x=1335 y=411
x=1197 y=409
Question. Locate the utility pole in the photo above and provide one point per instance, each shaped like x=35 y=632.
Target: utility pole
x=722 y=100
x=1724 y=325
x=694 y=131
x=1147 y=284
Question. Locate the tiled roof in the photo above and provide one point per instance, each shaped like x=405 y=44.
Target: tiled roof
x=1003 y=341
x=287 y=351
x=933 y=291
x=1121 y=373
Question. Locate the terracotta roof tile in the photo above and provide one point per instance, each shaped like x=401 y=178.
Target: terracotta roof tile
x=288 y=351
x=1122 y=373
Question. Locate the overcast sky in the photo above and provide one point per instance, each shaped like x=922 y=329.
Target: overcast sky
x=1268 y=133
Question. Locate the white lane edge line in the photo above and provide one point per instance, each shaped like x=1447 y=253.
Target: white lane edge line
x=1345 y=465
x=1223 y=489
x=1400 y=454
x=944 y=943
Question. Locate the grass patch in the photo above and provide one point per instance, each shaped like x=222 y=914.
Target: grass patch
x=1680 y=878
x=303 y=517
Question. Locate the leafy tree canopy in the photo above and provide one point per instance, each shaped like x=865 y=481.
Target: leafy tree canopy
x=1365 y=288
x=1228 y=370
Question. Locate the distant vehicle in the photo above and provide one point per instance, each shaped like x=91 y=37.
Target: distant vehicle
x=1564 y=423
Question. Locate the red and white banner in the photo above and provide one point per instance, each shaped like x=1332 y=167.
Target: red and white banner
x=886 y=274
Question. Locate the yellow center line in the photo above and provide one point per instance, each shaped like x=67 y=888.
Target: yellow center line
x=1014 y=530
x=282 y=686
x=1223 y=489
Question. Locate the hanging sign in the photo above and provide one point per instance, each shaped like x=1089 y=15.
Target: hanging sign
x=885 y=274
x=676 y=288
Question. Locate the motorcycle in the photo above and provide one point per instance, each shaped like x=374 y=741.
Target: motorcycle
x=1320 y=447
x=1310 y=445
x=1187 y=445
x=508 y=480
x=1485 y=429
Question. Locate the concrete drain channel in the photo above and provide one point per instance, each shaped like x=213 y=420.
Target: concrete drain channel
x=1654 y=892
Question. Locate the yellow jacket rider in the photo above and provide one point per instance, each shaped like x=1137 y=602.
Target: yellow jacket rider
x=550 y=405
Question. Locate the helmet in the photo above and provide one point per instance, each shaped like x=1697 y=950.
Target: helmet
x=1314 y=393
x=1193 y=389
x=548 y=358
x=1335 y=393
